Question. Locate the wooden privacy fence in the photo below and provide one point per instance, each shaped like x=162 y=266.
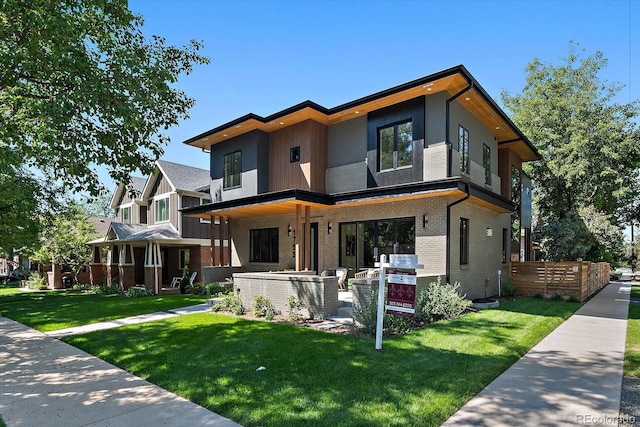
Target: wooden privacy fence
x=569 y=279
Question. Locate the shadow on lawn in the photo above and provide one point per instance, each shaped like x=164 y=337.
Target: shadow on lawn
x=312 y=377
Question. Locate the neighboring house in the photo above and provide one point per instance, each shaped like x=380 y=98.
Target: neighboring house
x=150 y=241
x=431 y=167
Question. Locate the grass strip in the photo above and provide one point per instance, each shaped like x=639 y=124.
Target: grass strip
x=632 y=351
x=323 y=379
x=52 y=310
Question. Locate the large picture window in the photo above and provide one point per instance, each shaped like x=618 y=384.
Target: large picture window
x=463 y=149
x=362 y=243
x=464 y=241
x=395 y=146
x=162 y=209
x=264 y=245
x=232 y=168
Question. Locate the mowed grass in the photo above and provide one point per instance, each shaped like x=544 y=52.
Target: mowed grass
x=632 y=351
x=322 y=379
x=52 y=310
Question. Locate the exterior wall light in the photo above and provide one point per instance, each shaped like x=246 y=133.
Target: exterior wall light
x=425 y=221
x=329 y=227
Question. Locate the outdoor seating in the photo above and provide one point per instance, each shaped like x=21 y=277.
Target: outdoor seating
x=342 y=276
x=175 y=282
x=366 y=274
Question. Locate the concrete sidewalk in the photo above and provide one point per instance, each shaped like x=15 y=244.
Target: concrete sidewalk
x=78 y=330
x=45 y=382
x=572 y=377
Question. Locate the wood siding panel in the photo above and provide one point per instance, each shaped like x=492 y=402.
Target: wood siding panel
x=192 y=227
x=309 y=172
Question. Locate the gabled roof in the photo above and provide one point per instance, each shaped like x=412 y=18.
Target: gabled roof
x=135 y=183
x=123 y=232
x=455 y=81
x=181 y=178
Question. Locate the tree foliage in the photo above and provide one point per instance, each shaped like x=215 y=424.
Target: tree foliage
x=80 y=86
x=589 y=146
x=64 y=240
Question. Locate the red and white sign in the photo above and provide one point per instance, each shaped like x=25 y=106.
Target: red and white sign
x=401 y=292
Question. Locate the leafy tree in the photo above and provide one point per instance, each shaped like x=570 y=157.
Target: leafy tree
x=588 y=144
x=80 y=86
x=64 y=240
x=100 y=206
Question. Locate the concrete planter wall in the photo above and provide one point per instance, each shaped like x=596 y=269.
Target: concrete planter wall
x=319 y=293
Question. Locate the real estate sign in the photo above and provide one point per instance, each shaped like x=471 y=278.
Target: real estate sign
x=401 y=291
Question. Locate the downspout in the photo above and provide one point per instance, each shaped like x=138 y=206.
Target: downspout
x=449 y=206
x=448 y=125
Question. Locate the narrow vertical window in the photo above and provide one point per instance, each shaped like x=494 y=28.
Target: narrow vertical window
x=232 y=168
x=126 y=215
x=395 y=146
x=505 y=245
x=463 y=148
x=464 y=241
x=486 y=163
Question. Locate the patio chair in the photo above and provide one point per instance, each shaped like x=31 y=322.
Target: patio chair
x=175 y=282
x=342 y=276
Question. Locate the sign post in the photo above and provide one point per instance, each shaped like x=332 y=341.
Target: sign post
x=402 y=288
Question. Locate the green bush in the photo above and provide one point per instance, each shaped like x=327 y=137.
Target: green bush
x=262 y=307
x=230 y=303
x=105 y=289
x=508 y=290
x=196 y=289
x=440 y=302
x=80 y=287
x=219 y=289
x=366 y=314
x=556 y=297
x=136 y=292
x=36 y=282
x=294 y=306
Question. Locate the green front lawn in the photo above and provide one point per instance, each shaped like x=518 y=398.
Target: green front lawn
x=323 y=379
x=632 y=352
x=52 y=310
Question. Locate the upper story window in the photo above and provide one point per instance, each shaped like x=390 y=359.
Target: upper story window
x=162 y=209
x=486 y=163
x=126 y=215
x=232 y=168
x=463 y=149
x=395 y=146
x=294 y=154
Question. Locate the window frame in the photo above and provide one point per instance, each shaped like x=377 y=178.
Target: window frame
x=156 y=210
x=294 y=154
x=463 y=149
x=395 y=151
x=464 y=241
x=126 y=218
x=229 y=180
x=269 y=237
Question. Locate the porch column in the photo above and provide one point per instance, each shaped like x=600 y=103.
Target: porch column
x=297 y=237
x=229 y=239
x=307 y=238
x=212 y=254
x=221 y=240
x=153 y=268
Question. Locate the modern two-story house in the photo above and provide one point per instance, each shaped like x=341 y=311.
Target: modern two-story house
x=150 y=241
x=430 y=167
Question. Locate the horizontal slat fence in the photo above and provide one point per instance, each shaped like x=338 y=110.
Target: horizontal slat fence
x=569 y=279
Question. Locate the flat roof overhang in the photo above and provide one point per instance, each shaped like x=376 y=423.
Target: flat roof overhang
x=453 y=80
x=285 y=202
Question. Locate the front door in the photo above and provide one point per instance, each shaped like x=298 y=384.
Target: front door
x=313 y=246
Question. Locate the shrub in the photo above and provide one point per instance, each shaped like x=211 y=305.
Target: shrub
x=556 y=297
x=230 y=303
x=79 y=287
x=105 y=289
x=508 y=290
x=573 y=299
x=219 y=289
x=262 y=307
x=136 y=292
x=36 y=282
x=440 y=302
x=294 y=305
x=196 y=289
x=366 y=314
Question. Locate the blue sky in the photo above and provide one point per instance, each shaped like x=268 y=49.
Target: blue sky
x=269 y=55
